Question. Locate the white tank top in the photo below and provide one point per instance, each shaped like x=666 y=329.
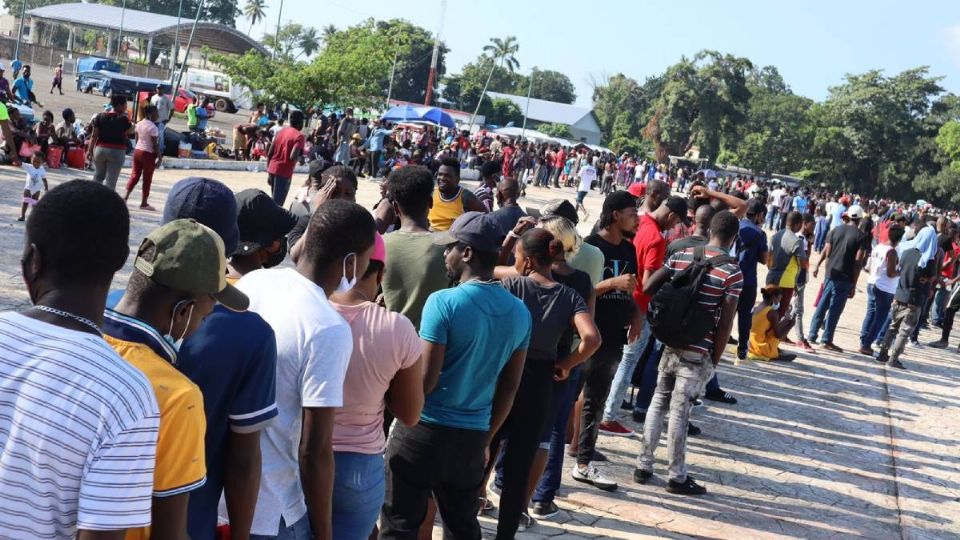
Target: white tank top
x=878 y=270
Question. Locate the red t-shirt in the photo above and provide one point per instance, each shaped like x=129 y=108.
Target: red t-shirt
x=560 y=159
x=651 y=250
x=284 y=142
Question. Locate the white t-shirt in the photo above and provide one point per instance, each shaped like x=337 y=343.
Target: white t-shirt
x=588 y=175
x=777 y=197
x=314 y=345
x=79 y=433
x=35 y=176
x=878 y=270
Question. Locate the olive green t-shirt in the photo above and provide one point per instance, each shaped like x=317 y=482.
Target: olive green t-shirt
x=415 y=269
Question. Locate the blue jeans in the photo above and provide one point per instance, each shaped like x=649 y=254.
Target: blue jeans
x=298 y=531
x=358 y=489
x=648 y=383
x=939 y=305
x=549 y=483
x=878 y=307
x=883 y=329
x=832 y=301
x=621 y=381
x=279 y=187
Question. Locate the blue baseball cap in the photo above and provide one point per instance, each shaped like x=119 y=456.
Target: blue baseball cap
x=474 y=229
x=208 y=202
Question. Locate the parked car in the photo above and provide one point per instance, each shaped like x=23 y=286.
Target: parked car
x=180 y=103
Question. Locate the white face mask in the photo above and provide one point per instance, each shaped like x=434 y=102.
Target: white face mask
x=176 y=343
x=344 y=284
x=776 y=306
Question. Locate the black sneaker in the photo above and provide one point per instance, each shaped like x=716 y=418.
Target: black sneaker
x=687 y=487
x=693 y=431
x=721 y=396
x=786 y=357
x=626 y=406
x=639 y=417
x=544 y=510
x=641 y=476
x=939 y=344
x=882 y=357
x=896 y=364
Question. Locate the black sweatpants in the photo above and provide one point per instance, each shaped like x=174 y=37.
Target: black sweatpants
x=595 y=380
x=522 y=432
x=950 y=312
x=429 y=458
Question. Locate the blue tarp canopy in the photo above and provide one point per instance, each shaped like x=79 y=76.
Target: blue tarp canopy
x=413 y=113
x=110 y=82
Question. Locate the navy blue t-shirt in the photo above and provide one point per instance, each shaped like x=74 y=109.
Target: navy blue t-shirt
x=751 y=250
x=232 y=357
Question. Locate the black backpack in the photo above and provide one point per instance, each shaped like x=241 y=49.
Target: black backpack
x=675 y=315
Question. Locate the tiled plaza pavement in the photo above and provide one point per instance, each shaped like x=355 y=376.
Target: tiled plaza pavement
x=829 y=446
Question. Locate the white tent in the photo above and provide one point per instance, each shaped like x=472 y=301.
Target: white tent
x=532 y=135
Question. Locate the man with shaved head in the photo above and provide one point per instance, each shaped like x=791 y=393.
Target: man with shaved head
x=506 y=217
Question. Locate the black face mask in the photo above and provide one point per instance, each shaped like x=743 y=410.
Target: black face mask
x=273 y=259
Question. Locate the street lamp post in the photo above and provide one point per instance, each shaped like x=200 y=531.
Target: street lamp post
x=276 y=39
x=526 y=111
x=23 y=14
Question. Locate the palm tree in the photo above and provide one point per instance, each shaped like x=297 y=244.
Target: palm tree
x=309 y=41
x=501 y=53
x=255 y=11
x=328 y=32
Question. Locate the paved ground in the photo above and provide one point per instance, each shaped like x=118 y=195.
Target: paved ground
x=830 y=446
x=87 y=105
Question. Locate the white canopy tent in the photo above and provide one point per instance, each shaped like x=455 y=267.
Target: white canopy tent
x=531 y=134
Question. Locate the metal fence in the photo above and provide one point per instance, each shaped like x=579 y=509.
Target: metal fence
x=51 y=56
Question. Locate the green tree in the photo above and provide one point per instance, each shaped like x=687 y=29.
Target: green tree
x=501 y=54
x=621 y=105
x=702 y=100
x=500 y=112
x=547 y=84
x=412 y=46
x=309 y=41
x=879 y=134
x=555 y=130
x=254 y=11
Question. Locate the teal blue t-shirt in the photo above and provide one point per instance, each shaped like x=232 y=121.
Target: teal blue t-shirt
x=481 y=325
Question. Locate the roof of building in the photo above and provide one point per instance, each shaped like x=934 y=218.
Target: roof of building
x=546 y=111
x=143 y=23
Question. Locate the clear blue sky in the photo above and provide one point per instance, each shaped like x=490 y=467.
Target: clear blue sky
x=813 y=42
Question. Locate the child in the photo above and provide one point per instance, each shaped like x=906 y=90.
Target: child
x=769 y=328
x=36 y=177
x=45 y=130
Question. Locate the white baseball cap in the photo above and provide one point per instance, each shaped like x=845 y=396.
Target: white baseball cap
x=855 y=212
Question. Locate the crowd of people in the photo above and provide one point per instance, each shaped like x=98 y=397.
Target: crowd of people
x=324 y=371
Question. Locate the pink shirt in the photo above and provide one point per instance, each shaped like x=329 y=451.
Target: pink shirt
x=146 y=131
x=384 y=342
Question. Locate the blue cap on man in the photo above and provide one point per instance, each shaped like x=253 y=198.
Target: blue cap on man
x=209 y=202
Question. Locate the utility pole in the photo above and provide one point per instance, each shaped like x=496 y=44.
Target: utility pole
x=393 y=71
x=527 y=110
x=123 y=13
x=23 y=14
x=436 y=54
x=276 y=39
x=193 y=31
x=176 y=45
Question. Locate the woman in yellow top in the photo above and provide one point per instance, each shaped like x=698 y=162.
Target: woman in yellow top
x=769 y=328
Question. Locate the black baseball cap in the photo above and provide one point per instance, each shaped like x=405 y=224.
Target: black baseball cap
x=261 y=221
x=208 y=202
x=562 y=208
x=618 y=200
x=678 y=205
x=474 y=229
x=755 y=207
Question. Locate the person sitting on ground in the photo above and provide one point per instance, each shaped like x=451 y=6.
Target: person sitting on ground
x=769 y=328
x=44 y=131
x=68 y=134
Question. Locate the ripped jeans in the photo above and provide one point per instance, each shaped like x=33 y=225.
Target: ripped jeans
x=681 y=380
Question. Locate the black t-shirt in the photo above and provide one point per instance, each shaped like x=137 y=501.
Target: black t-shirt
x=914 y=281
x=506 y=219
x=845 y=240
x=302 y=212
x=112 y=129
x=580 y=282
x=551 y=308
x=614 y=308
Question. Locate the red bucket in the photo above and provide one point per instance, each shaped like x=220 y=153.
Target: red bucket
x=54 y=156
x=76 y=158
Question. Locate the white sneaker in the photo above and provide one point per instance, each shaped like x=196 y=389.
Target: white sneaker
x=591 y=475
